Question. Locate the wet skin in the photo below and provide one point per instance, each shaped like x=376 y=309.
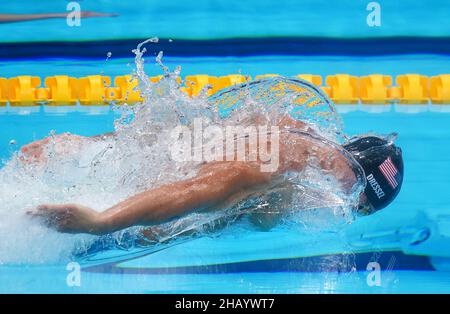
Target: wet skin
x=12 y=18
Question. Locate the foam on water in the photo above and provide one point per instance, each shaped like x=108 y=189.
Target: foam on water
x=100 y=172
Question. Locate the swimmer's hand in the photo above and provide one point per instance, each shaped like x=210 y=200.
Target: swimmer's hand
x=69 y=218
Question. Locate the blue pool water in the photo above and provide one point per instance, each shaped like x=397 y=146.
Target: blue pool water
x=220 y=19
x=410 y=239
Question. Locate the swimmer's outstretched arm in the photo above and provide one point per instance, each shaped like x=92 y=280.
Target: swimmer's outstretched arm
x=11 y=18
x=214 y=185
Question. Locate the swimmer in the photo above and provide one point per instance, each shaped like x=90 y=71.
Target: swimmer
x=11 y=18
x=221 y=183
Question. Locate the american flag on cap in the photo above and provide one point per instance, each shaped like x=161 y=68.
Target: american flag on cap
x=390 y=172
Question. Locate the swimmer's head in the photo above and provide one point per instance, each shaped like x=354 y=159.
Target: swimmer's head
x=383 y=167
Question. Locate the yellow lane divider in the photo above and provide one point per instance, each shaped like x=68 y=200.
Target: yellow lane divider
x=195 y=84
x=374 y=89
x=3 y=91
x=440 y=89
x=413 y=88
x=315 y=79
x=22 y=90
x=229 y=80
x=60 y=90
x=343 y=88
x=91 y=90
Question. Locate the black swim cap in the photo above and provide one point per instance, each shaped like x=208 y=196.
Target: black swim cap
x=383 y=166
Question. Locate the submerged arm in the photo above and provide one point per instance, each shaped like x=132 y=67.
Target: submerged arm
x=11 y=18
